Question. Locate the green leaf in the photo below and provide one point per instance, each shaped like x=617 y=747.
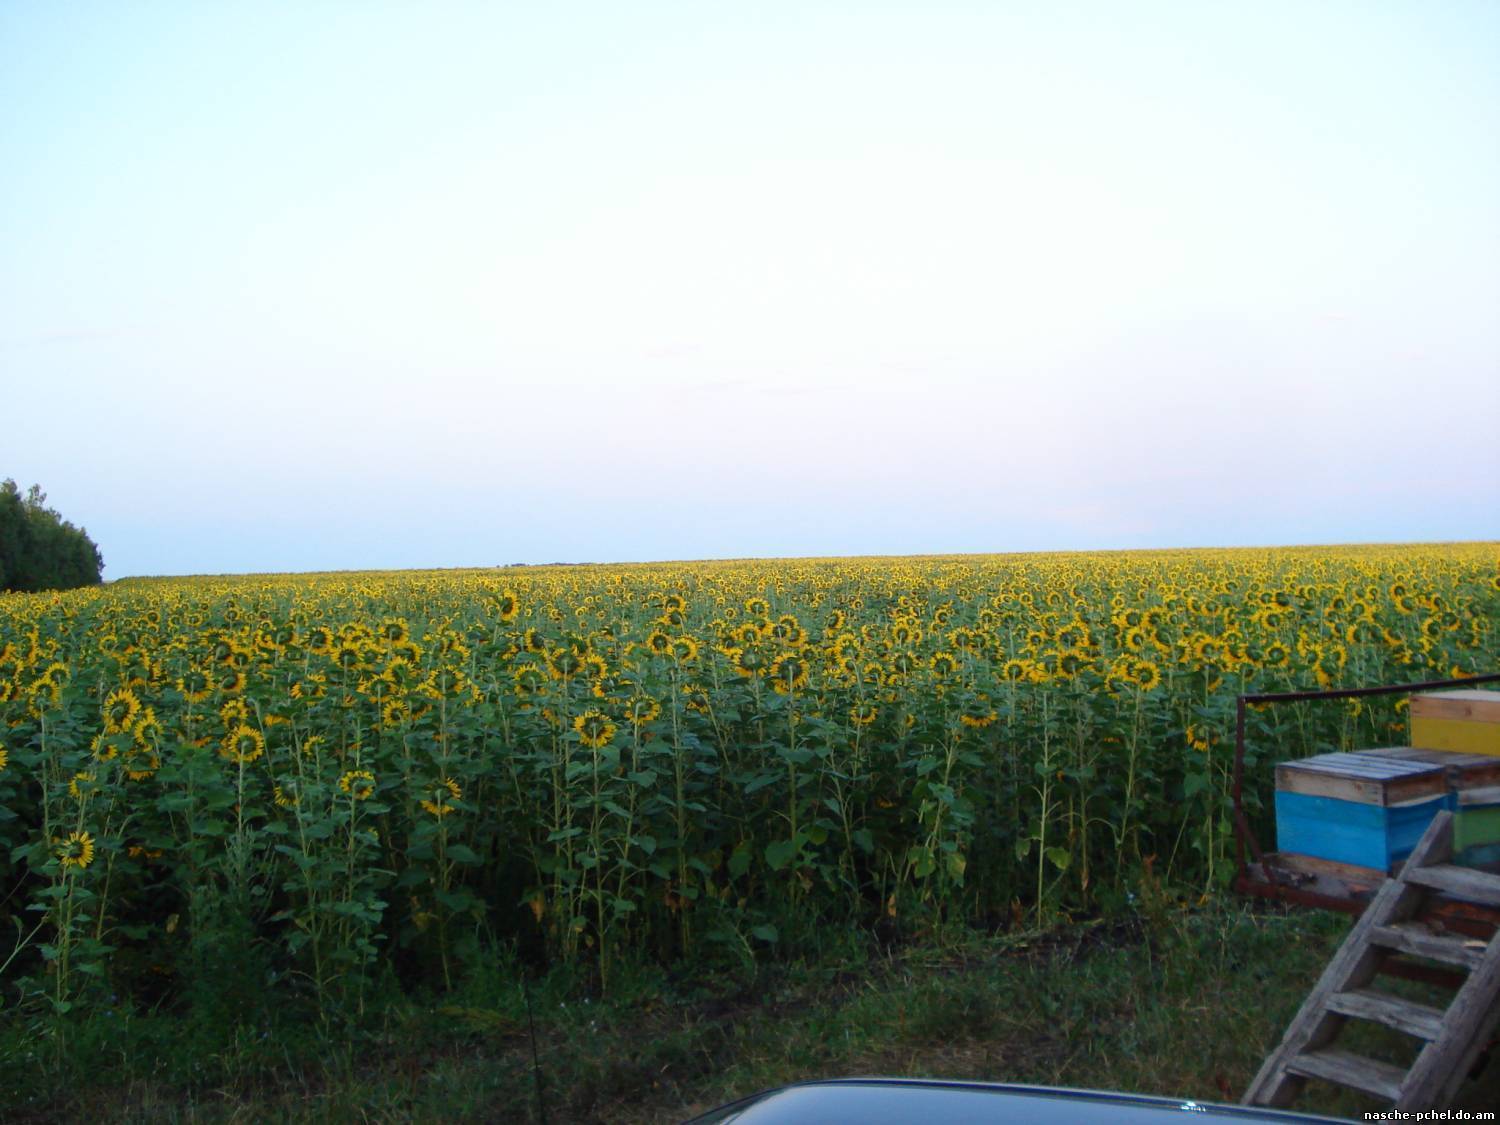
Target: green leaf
x=462 y=853
x=1060 y=858
x=739 y=859
x=766 y=933
x=780 y=853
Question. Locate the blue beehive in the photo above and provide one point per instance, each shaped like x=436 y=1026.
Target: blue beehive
x=1356 y=809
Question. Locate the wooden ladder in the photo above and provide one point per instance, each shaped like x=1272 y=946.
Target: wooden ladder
x=1453 y=1038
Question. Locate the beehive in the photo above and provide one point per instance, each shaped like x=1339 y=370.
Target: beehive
x=1361 y=810
x=1464 y=721
x=1474 y=797
x=1476 y=828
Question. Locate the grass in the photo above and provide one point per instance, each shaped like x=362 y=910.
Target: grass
x=1183 y=1003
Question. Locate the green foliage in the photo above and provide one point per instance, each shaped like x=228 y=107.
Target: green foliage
x=39 y=550
x=234 y=799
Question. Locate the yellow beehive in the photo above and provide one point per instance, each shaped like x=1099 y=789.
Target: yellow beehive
x=1467 y=722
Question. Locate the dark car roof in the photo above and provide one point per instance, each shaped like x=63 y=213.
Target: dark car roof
x=911 y=1101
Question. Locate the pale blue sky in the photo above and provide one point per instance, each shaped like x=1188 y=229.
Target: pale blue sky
x=346 y=285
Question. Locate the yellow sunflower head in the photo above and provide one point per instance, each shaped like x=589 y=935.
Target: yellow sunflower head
x=242 y=745
x=642 y=709
x=440 y=798
x=789 y=672
x=196 y=685
x=77 y=851
x=594 y=729
x=359 y=784
x=120 y=710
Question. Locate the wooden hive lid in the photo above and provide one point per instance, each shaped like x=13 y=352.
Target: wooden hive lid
x=1366 y=779
x=1465 y=771
x=1474 y=704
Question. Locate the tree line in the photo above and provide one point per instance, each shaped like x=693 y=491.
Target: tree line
x=39 y=550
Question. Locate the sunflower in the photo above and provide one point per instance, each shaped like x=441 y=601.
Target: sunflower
x=234 y=713
x=244 y=744
x=747 y=634
x=905 y=633
x=444 y=683
x=863 y=714
x=195 y=685
x=4 y=758
x=76 y=851
x=320 y=640
x=978 y=716
x=359 y=784
x=230 y=681
x=348 y=655
x=594 y=729
x=659 y=643
x=147 y=729
x=748 y=662
x=788 y=630
x=564 y=663
x=529 y=680
x=595 y=667
x=120 y=710
x=903 y=663
x=507 y=605
x=82 y=785
x=758 y=607
x=789 y=673
x=698 y=699
x=284 y=798
x=441 y=798
x=1206 y=649
x=41 y=696
x=1145 y=675
x=642 y=709
x=685 y=650
x=1070 y=662
x=395 y=712
x=942 y=664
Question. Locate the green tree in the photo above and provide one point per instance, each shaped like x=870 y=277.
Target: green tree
x=39 y=550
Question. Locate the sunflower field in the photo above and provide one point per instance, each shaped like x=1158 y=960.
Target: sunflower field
x=322 y=784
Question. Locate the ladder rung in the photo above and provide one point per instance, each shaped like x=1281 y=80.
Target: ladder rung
x=1416 y=939
x=1358 y=1073
x=1460 y=882
x=1419 y=1020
